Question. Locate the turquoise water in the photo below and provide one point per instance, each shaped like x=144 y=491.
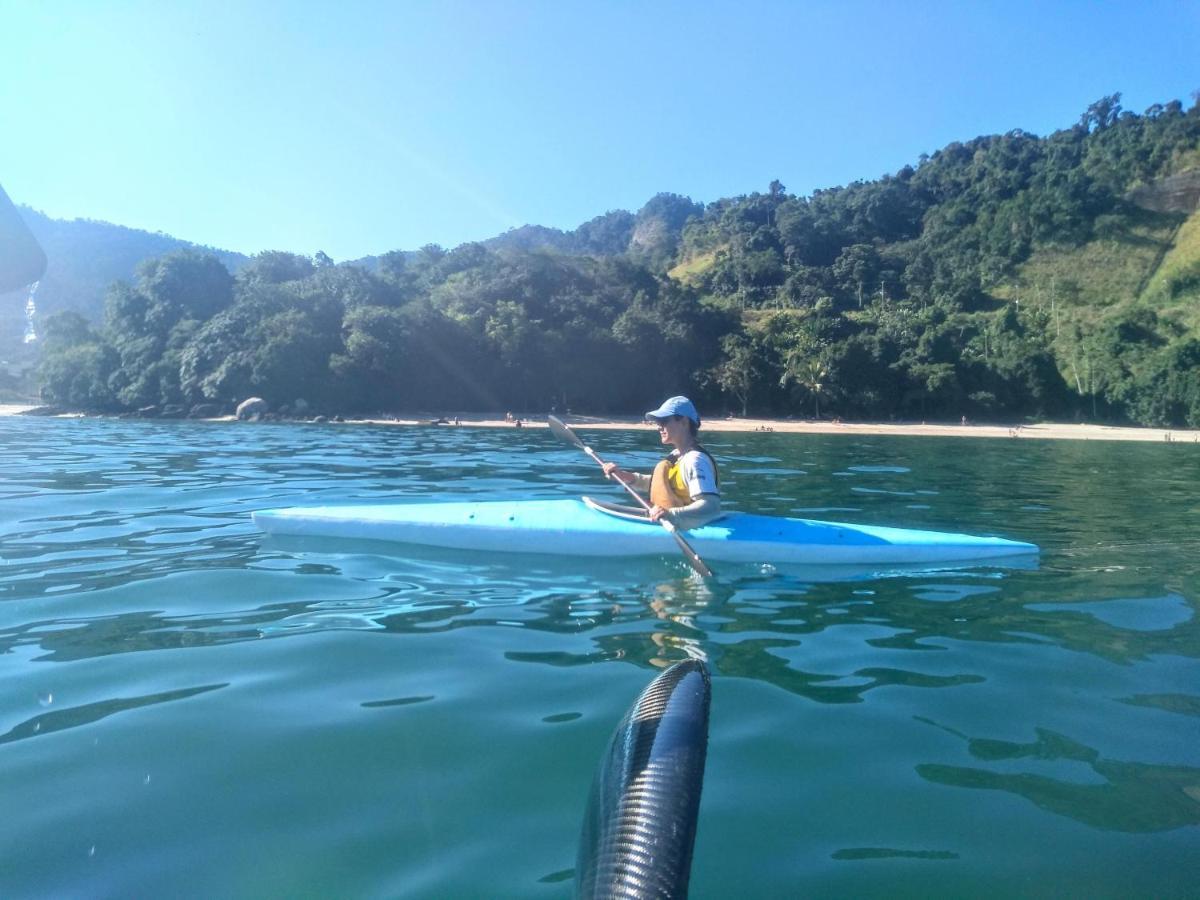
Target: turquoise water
x=189 y=710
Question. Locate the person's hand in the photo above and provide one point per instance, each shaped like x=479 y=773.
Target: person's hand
x=658 y=512
x=612 y=470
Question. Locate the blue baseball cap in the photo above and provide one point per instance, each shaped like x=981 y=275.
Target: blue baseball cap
x=676 y=406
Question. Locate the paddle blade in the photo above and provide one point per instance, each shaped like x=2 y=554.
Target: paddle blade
x=22 y=260
x=560 y=429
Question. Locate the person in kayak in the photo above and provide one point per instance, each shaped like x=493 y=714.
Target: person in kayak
x=684 y=487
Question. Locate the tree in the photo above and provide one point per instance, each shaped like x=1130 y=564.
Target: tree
x=669 y=337
x=605 y=235
x=1102 y=114
x=856 y=268
x=739 y=372
x=216 y=363
x=291 y=358
x=76 y=364
x=77 y=377
x=801 y=342
x=520 y=345
x=375 y=365
x=808 y=367
x=67 y=329
x=184 y=285
x=276 y=267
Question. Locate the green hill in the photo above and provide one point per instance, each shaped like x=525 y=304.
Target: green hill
x=1008 y=276
x=1174 y=285
x=1143 y=266
x=85 y=257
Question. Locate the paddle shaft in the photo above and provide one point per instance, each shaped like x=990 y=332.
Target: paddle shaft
x=562 y=430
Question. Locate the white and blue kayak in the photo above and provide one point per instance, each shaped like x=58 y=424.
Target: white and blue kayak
x=591 y=528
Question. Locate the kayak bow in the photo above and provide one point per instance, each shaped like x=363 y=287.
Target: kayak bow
x=640 y=826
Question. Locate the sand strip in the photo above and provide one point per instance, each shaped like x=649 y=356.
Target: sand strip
x=1041 y=430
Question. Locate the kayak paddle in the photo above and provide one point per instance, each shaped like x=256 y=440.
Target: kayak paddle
x=561 y=430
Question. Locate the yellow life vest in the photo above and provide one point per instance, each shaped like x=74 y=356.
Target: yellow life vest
x=667 y=487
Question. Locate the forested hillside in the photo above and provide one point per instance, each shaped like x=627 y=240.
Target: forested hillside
x=85 y=257
x=1005 y=277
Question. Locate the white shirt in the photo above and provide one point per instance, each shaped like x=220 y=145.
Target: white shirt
x=698 y=472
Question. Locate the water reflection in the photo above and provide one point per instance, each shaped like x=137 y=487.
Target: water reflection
x=756 y=626
x=852 y=853
x=72 y=717
x=1128 y=796
x=1183 y=704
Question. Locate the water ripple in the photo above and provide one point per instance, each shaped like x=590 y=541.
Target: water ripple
x=379 y=721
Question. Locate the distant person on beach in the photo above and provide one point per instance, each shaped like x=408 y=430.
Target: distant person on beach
x=684 y=487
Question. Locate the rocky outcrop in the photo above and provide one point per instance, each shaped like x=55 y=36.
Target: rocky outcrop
x=651 y=234
x=1178 y=193
x=251 y=407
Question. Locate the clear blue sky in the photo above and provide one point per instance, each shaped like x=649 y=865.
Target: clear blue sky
x=361 y=127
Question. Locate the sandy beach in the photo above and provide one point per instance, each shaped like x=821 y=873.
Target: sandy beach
x=1043 y=430
x=1038 y=431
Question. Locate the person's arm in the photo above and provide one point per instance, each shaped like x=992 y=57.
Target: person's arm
x=635 y=480
x=702 y=510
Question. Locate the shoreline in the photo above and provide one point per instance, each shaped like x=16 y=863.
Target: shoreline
x=1039 y=431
